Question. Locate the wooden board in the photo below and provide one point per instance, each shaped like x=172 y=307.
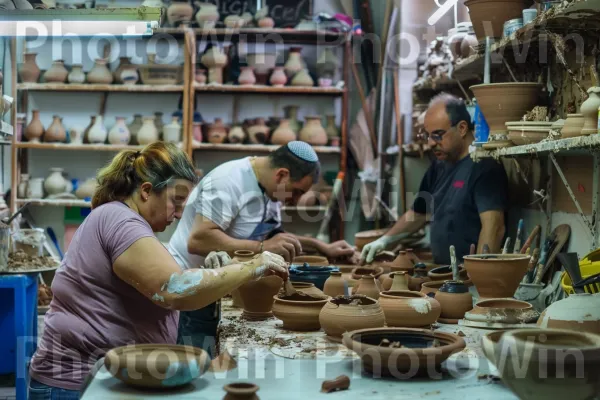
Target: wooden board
x=288 y=13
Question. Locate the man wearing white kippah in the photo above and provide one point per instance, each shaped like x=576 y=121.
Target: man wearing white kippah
x=237 y=206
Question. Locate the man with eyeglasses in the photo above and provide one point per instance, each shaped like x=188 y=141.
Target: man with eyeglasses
x=465 y=201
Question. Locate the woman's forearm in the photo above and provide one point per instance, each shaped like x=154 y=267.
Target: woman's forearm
x=202 y=243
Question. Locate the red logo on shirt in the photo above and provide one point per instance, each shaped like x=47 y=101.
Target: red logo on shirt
x=459 y=184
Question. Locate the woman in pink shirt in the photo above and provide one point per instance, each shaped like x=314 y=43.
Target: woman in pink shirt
x=117 y=283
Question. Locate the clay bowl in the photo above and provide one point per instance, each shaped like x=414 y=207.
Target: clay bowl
x=156 y=366
x=506 y=311
x=504 y=102
x=404 y=308
x=315 y=275
x=496 y=275
x=523 y=137
x=241 y=390
x=348 y=313
x=550 y=363
x=365 y=237
x=431 y=287
x=307 y=288
x=316 y=261
x=257 y=297
x=299 y=312
x=489 y=16
x=358 y=272
x=445 y=273
x=416 y=357
x=580 y=312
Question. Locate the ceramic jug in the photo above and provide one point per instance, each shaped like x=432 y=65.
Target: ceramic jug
x=55 y=183
x=35 y=129
x=29 y=71
x=76 y=75
x=119 y=134
x=172 y=131
x=148 y=132
x=57 y=73
x=97 y=133
x=56 y=131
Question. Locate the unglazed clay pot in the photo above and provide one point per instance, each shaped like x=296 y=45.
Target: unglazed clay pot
x=550 y=363
x=299 y=312
x=57 y=73
x=431 y=288
x=404 y=262
x=76 y=75
x=129 y=75
x=156 y=366
x=573 y=126
x=97 y=132
x=346 y=314
x=505 y=311
x=295 y=63
x=215 y=60
x=259 y=132
x=55 y=183
x=496 y=275
x=589 y=109
x=335 y=285
x=56 y=131
x=172 y=131
x=308 y=288
x=236 y=135
x=313 y=132
x=418 y=278
x=578 y=312
x=455 y=299
x=278 y=77
x=207 y=15
x=217 y=132
x=314 y=261
x=399 y=281
x=258 y=297
x=302 y=79
x=119 y=134
x=100 y=73
x=34 y=130
x=408 y=308
x=247 y=77
x=291 y=113
x=368 y=286
x=504 y=102
x=179 y=11
x=240 y=391
x=445 y=273
x=148 y=133
x=283 y=134
x=489 y=16
x=359 y=272
x=29 y=70
x=418 y=356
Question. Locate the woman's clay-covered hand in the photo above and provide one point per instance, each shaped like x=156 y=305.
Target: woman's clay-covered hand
x=267 y=263
x=217 y=259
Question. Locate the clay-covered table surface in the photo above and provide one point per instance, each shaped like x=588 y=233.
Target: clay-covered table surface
x=292 y=365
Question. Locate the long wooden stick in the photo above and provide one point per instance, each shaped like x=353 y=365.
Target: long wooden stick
x=400 y=133
x=386 y=26
x=365 y=106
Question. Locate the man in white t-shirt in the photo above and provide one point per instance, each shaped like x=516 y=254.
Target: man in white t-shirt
x=237 y=206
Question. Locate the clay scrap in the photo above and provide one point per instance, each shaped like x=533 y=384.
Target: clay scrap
x=20 y=261
x=342 y=382
x=224 y=362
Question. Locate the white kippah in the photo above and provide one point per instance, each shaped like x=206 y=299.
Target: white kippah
x=303 y=150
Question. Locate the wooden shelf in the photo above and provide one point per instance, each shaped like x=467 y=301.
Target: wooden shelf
x=258 y=89
x=568 y=145
x=262 y=35
x=257 y=148
x=56 y=202
x=89 y=87
x=76 y=147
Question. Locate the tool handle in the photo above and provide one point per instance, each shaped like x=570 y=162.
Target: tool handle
x=453 y=263
x=506 y=246
x=532 y=262
x=517 y=246
x=536 y=231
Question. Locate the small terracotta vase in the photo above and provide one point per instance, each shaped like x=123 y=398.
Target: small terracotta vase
x=291 y=114
x=29 y=70
x=57 y=73
x=346 y=314
x=302 y=79
x=418 y=278
x=123 y=62
x=258 y=297
x=100 y=73
x=313 y=132
x=215 y=60
x=207 y=15
x=241 y=391
x=399 y=281
x=247 y=77
x=197 y=132
x=179 y=11
x=413 y=256
x=455 y=300
x=200 y=77
x=589 y=109
x=335 y=285
x=134 y=127
x=259 y=132
x=217 y=132
x=148 y=133
x=97 y=132
x=573 y=126
x=172 y=131
x=76 y=75
x=119 y=134
x=369 y=287
x=283 y=134
x=278 y=77
x=35 y=129
x=403 y=263
x=56 y=131
x=409 y=309
x=295 y=63
x=236 y=135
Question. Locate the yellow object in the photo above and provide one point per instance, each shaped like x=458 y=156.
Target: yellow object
x=589 y=265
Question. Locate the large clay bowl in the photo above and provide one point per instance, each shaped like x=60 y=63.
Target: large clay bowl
x=307 y=288
x=299 y=313
x=341 y=314
x=496 y=275
x=317 y=261
x=156 y=366
x=579 y=312
x=404 y=308
x=504 y=102
x=361 y=239
x=489 y=345
x=418 y=355
x=257 y=297
x=489 y=16
x=550 y=363
x=505 y=311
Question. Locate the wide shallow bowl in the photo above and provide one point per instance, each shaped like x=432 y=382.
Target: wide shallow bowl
x=299 y=312
x=348 y=313
x=156 y=366
x=506 y=311
x=411 y=309
x=496 y=275
x=422 y=350
x=489 y=16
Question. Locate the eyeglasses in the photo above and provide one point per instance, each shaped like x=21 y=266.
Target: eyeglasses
x=436 y=135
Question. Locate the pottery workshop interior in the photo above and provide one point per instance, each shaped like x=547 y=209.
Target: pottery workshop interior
x=299 y=199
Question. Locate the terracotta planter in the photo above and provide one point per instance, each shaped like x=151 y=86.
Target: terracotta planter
x=496 y=275
x=148 y=133
x=258 y=297
x=308 y=288
x=34 y=130
x=119 y=134
x=299 y=312
x=455 y=300
x=489 y=16
x=579 y=312
x=418 y=358
x=550 y=363
x=346 y=314
x=56 y=131
x=368 y=286
x=361 y=239
x=179 y=11
x=156 y=366
x=589 y=109
x=57 y=73
x=504 y=102
x=247 y=77
x=241 y=391
x=283 y=134
x=409 y=309
x=76 y=75
x=313 y=132
x=100 y=73
x=431 y=287
x=573 y=126
x=335 y=285
x=29 y=70
x=278 y=77
x=504 y=311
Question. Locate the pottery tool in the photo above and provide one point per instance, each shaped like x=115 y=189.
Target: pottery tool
x=454 y=264
x=534 y=233
x=517 y=246
x=560 y=236
x=542 y=261
x=19 y=211
x=323 y=234
x=532 y=264
x=506 y=246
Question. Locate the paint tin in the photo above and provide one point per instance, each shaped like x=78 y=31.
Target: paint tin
x=529 y=15
x=512 y=26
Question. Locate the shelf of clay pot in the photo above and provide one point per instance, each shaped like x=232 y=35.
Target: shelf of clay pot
x=89 y=87
x=78 y=147
x=56 y=202
x=259 y=89
x=264 y=148
x=571 y=145
x=257 y=34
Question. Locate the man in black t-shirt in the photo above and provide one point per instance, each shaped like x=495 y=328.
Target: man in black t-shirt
x=465 y=201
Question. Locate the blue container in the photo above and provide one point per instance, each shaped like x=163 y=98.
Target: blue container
x=314 y=275
x=482 y=129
